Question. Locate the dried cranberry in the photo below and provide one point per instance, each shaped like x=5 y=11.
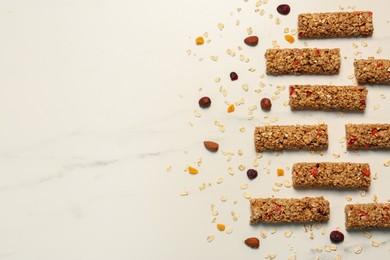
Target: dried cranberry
x=252 y=174
x=292 y=89
x=204 y=102
x=283 y=9
x=266 y=104
x=336 y=236
x=233 y=76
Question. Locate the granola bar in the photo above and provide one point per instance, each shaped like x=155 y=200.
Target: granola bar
x=291 y=137
x=275 y=210
x=372 y=71
x=336 y=24
x=331 y=175
x=303 y=61
x=367 y=136
x=319 y=97
x=369 y=215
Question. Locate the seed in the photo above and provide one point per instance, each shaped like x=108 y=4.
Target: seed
x=336 y=236
x=233 y=76
x=252 y=174
x=283 y=9
x=204 y=102
x=266 y=104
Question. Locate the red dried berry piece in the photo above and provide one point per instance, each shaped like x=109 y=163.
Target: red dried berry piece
x=379 y=64
x=300 y=34
x=363 y=102
x=278 y=208
x=296 y=63
x=266 y=104
x=204 y=102
x=233 y=76
x=314 y=171
x=336 y=236
x=366 y=172
x=317 y=51
x=351 y=141
x=283 y=9
x=362 y=213
x=308 y=93
x=252 y=174
x=374 y=131
x=292 y=89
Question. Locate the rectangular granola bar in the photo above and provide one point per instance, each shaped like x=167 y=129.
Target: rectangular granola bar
x=372 y=71
x=367 y=136
x=331 y=175
x=336 y=24
x=303 y=61
x=370 y=215
x=275 y=210
x=320 y=97
x=291 y=137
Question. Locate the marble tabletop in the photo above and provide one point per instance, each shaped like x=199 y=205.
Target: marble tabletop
x=100 y=121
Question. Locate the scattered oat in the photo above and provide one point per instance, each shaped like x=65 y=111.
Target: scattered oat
x=362 y=193
x=311 y=236
x=210 y=238
x=263 y=234
x=241 y=167
x=348 y=198
x=383 y=96
x=363 y=43
x=219 y=180
x=323 y=231
x=376 y=106
x=319 y=250
x=270 y=16
x=379 y=50
x=294 y=31
x=367 y=234
x=286 y=30
x=242 y=129
x=214 y=58
x=258 y=3
x=169 y=168
x=358 y=249
x=333 y=247
x=355 y=45
x=375 y=177
x=275 y=189
x=273 y=231
x=223 y=198
x=230 y=170
x=287 y=183
x=238 y=22
x=240 y=152
x=229 y=231
x=374 y=198
x=288 y=234
x=255 y=163
x=247 y=196
x=234 y=215
x=338 y=257
x=293 y=257
x=221 y=26
x=249 y=30
x=277 y=20
x=336 y=155
x=270 y=256
x=374 y=243
x=387 y=163
x=184 y=193
x=196 y=113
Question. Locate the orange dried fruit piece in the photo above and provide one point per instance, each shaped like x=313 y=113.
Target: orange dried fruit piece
x=289 y=38
x=192 y=170
x=231 y=108
x=221 y=227
x=199 y=40
x=280 y=172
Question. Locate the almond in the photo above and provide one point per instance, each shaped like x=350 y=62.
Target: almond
x=211 y=146
x=251 y=40
x=252 y=242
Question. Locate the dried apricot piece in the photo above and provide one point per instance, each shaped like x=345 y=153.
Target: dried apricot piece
x=199 y=40
x=192 y=170
x=231 y=108
x=280 y=172
x=221 y=227
x=289 y=38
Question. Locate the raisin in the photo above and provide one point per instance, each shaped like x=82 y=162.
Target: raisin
x=252 y=174
x=283 y=9
x=336 y=236
x=204 y=102
x=266 y=104
x=233 y=76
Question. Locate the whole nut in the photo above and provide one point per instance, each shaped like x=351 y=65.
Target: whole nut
x=252 y=242
x=211 y=146
x=266 y=104
x=251 y=40
x=204 y=102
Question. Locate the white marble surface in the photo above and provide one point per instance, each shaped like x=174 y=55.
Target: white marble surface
x=97 y=100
